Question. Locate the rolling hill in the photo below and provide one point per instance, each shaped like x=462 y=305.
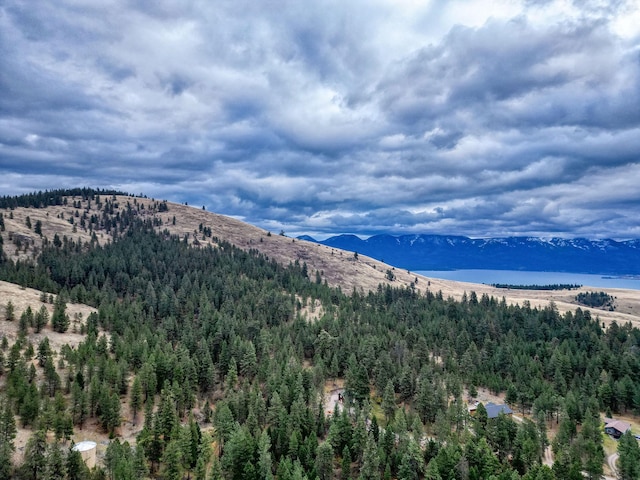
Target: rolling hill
x=332 y=261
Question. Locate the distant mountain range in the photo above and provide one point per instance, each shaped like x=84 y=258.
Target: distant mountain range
x=442 y=252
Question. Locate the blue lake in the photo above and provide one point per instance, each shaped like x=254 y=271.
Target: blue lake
x=517 y=277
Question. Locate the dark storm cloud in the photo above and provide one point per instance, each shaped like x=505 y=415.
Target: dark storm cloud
x=453 y=117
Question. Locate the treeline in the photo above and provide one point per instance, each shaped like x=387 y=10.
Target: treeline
x=595 y=299
x=553 y=286
x=42 y=199
x=217 y=341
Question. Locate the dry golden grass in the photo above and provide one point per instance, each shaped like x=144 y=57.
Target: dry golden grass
x=311 y=311
x=21 y=298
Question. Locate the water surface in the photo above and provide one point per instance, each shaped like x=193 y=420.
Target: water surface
x=518 y=277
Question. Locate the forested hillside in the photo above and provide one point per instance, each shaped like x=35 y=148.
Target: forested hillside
x=98 y=216
x=222 y=359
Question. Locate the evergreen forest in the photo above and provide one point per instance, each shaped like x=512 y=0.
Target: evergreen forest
x=217 y=357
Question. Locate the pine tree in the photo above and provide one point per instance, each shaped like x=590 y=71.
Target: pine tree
x=52 y=379
x=56 y=468
x=370 y=460
x=356 y=380
x=109 y=406
x=189 y=438
x=30 y=406
x=149 y=438
x=79 y=404
x=224 y=422
x=432 y=472
x=216 y=469
x=35 y=456
x=9 y=312
x=44 y=352
x=264 y=456
x=232 y=374
x=60 y=319
x=149 y=379
x=238 y=451
x=412 y=464
x=121 y=461
x=136 y=398
x=629 y=457
x=324 y=461
x=346 y=463
x=76 y=468
x=7 y=435
x=592 y=444
x=26 y=320
x=204 y=456
x=389 y=400
x=140 y=468
x=6 y=460
x=7 y=422
x=172 y=461
x=248 y=361
x=200 y=473
x=41 y=319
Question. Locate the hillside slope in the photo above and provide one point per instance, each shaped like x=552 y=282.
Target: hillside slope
x=210 y=358
x=337 y=267
x=86 y=220
x=21 y=299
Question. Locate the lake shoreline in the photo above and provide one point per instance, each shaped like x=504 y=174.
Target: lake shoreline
x=524 y=277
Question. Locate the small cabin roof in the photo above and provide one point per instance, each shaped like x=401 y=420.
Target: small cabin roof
x=494 y=410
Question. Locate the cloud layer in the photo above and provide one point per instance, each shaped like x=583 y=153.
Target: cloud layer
x=461 y=117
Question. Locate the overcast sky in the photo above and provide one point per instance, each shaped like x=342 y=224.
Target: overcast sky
x=478 y=118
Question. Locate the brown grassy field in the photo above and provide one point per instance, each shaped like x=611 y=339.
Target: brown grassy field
x=24 y=297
